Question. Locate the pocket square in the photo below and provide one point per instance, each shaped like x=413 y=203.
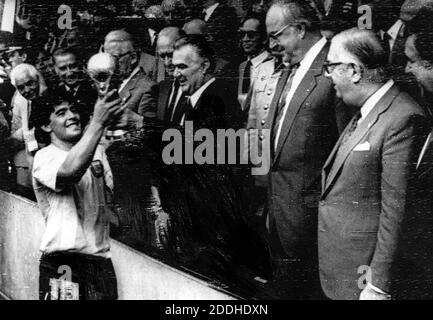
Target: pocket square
x=362 y=147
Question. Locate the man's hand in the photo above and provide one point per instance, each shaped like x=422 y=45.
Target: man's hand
x=162 y=229
x=104 y=111
x=370 y=294
x=128 y=119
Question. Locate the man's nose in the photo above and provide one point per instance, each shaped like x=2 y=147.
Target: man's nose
x=176 y=73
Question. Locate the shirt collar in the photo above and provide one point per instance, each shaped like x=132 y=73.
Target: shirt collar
x=374 y=98
x=312 y=53
x=124 y=82
x=394 y=30
x=259 y=59
x=210 y=10
x=196 y=95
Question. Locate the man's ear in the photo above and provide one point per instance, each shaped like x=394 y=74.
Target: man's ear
x=46 y=128
x=206 y=65
x=357 y=73
x=134 y=58
x=24 y=57
x=301 y=30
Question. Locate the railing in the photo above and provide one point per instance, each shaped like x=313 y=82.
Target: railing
x=138 y=275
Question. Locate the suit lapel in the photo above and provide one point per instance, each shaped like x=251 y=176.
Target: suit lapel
x=164 y=97
x=356 y=137
x=241 y=76
x=125 y=94
x=307 y=85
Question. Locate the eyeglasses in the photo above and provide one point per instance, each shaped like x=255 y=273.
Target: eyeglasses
x=249 y=34
x=330 y=67
x=165 y=55
x=117 y=58
x=274 y=35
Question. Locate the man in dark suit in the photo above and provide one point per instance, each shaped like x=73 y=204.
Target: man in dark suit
x=210 y=100
x=367 y=177
x=169 y=93
x=414 y=272
x=303 y=125
x=73 y=82
x=222 y=24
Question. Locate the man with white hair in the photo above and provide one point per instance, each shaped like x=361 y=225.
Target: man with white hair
x=366 y=178
x=30 y=85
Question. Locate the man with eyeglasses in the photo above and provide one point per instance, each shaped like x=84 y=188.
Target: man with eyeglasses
x=253 y=42
x=74 y=83
x=304 y=123
x=368 y=177
x=135 y=89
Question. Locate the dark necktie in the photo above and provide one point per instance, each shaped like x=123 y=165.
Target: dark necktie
x=155 y=40
x=246 y=81
x=182 y=111
x=169 y=113
x=352 y=127
x=282 y=102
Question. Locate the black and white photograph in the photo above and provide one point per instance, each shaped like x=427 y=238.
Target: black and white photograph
x=232 y=150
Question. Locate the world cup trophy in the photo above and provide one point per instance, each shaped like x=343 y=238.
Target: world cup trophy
x=101 y=69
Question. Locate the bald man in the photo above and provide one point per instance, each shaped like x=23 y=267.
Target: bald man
x=195 y=26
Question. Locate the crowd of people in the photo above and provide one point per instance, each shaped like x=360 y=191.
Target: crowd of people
x=340 y=112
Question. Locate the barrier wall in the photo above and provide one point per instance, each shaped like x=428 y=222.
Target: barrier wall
x=138 y=276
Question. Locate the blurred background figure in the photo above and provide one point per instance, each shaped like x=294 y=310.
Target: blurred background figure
x=155 y=21
x=196 y=26
x=174 y=12
x=139 y=7
x=222 y=25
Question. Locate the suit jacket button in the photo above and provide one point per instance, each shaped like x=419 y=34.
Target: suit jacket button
x=270 y=92
x=261 y=137
x=266 y=107
x=263 y=122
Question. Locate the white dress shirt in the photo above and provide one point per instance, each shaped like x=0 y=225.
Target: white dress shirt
x=374 y=99
x=196 y=96
x=152 y=35
x=124 y=82
x=393 y=32
x=304 y=66
x=209 y=11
